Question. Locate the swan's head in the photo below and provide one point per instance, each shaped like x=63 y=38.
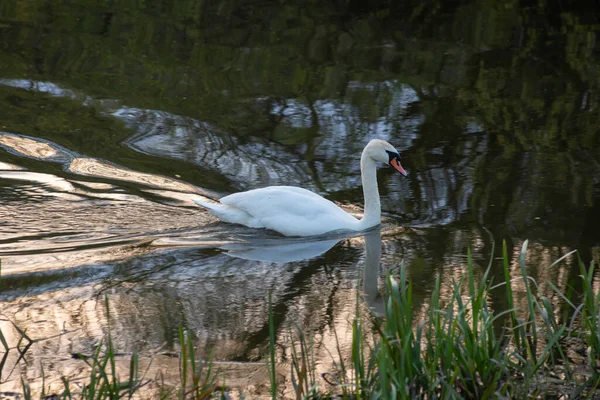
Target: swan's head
x=380 y=150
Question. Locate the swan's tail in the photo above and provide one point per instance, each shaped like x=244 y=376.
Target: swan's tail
x=217 y=209
x=209 y=205
x=229 y=214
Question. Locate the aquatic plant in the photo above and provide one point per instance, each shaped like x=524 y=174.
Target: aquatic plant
x=459 y=352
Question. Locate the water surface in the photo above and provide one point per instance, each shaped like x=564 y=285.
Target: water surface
x=115 y=117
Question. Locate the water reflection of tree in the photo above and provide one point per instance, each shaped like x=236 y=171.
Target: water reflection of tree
x=525 y=74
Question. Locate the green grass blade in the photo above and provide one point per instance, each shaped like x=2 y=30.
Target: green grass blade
x=271 y=358
x=183 y=365
x=26 y=389
x=562 y=258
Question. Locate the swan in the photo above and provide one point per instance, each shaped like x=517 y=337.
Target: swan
x=293 y=211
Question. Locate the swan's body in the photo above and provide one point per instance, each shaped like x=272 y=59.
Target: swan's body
x=293 y=211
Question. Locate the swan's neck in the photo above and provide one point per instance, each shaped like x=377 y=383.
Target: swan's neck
x=368 y=170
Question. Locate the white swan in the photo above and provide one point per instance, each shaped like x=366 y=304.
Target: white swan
x=293 y=211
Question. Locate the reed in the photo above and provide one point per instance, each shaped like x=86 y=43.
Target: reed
x=459 y=352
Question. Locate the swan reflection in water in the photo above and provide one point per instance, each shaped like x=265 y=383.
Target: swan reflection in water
x=370 y=285
x=262 y=245
x=290 y=250
x=279 y=252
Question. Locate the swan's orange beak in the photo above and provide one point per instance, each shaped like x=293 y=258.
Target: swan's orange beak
x=396 y=164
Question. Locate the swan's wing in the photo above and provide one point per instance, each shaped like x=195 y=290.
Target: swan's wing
x=276 y=200
x=230 y=214
x=291 y=211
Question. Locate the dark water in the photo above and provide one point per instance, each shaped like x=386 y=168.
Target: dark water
x=115 y=115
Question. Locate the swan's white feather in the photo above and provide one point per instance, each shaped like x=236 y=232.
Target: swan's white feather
x=289 y=210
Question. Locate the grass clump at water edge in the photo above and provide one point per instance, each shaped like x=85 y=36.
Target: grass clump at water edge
x=465 y=350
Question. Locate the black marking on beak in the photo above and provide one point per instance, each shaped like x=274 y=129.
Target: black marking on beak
x=392 y=155
x=394 y=161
